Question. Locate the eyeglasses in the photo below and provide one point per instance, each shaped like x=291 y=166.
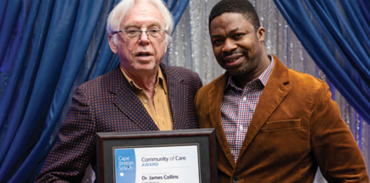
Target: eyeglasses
x=132 y=33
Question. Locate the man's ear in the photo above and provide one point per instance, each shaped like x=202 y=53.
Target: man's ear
x=112 y=44
x=261 y=33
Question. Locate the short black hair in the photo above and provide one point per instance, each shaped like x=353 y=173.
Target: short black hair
x=243 y=7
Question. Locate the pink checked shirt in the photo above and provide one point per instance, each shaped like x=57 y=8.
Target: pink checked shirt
x=238 y=107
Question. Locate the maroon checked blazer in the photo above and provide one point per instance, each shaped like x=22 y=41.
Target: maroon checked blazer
x=108 y=104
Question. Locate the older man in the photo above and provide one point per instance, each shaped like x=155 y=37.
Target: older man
x=140 y=95
x=273 y=124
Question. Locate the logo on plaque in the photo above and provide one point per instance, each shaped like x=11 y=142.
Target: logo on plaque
x=125 y=165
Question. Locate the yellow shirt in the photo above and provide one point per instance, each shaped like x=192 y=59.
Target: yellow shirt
x=161 y=111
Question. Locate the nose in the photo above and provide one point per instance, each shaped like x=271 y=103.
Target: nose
x=144 y=39
x=229 y=46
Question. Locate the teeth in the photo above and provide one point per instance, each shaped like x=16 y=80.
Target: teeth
x=233 y=60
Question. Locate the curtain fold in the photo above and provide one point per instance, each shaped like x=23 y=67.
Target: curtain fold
x=364 y=6
x=47 y=48
x=12 y=108
x=9 y=19
x=179 y=10
x=336 y=35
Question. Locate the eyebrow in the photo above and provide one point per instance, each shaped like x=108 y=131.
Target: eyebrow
x=136 y=25
x=232 y=31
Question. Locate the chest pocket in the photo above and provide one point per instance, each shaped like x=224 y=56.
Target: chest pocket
x=282 y=125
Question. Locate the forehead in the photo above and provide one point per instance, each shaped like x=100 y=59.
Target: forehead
x=143 y=13
x=230 y=21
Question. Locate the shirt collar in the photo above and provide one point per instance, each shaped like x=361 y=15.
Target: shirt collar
x=160 y=79
x=262 y=78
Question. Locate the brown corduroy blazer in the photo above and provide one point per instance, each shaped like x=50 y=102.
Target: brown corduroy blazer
x=296 y=128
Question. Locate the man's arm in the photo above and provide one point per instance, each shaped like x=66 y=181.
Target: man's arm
x=335 y=149
x=72 y=153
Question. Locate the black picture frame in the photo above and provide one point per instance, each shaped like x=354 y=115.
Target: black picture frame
x=106 y=141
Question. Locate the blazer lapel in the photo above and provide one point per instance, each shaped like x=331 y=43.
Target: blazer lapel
x=128 y=102
x=215 y=97
x=273 y=94
x=177 y=96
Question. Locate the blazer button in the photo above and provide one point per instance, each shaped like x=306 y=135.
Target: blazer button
x=235 y=179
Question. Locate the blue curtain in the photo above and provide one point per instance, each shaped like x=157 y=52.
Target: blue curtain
x=336 y=34
x=47 y=48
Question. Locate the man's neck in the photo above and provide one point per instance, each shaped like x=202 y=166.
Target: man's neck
x=144 y=80
x=242 y=80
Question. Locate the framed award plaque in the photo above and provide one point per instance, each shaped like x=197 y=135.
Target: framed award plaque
x=157 y=156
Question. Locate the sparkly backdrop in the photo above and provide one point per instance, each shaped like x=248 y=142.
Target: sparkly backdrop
x=190 y=47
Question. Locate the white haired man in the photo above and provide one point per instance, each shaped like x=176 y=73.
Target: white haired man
x=141 y=94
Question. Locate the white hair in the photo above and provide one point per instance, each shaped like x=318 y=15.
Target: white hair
x=125 y=6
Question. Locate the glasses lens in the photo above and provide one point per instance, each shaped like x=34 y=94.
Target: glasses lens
x=131 y=33
x=154 y=32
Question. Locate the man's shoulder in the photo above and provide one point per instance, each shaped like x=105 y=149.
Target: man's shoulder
x=177 y=69
x=218 y=83
x=293 y=79
x=304 y=80
x=180 y=73
x=101 y=82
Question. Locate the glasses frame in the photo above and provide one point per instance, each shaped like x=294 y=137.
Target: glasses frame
x=140 y=32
